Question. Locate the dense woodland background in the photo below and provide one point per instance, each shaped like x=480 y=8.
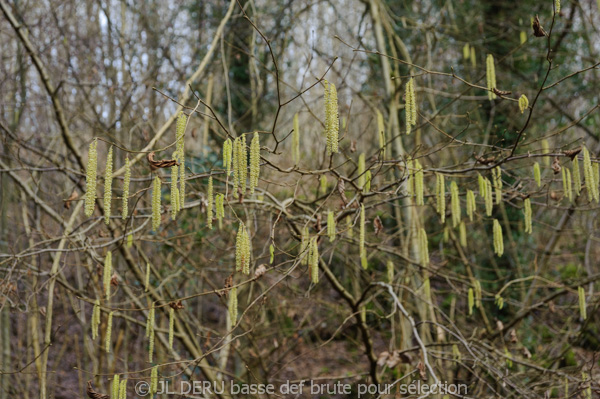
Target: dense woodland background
x=121 y=71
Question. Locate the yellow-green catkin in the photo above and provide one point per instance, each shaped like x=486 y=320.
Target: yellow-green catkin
x=440 y=194
x=171 y=326
x=174 y=191
x=209 y=203
x=491 y=76
x=107 y=273
x=477 y=290
x=314 y=260
x=322 y=185
x=181 y=201
x=582 y=306
x=566 y=180
x=243 y=163
x=296 y=140
x=471 y=300
x=455 y=204
x=331 y=225
x=349 y=229
x=576 y=176
x=473 y=58
x=419 y=197
x=254 y=162
x=220 y=209
x=236 y=166
x=557 y=6
x=446 y=234
x=482 y=186
x=304 y=246
x=156 y=204
x=466 y=51
x=381 y=134
x=546 y=150
x=233 y=306
x=537 y=174
x=587 y=392
x=462 y=234
x=227 y=154
x=126 y=183
x=390 y=271
x=489 y=200
x=456 y=353
x=596 y=169
x=527 y=213
x=363 y=252
x=523 y=103
x=95 y=319
x=499 y=302
x=410 y=107
x=271 y=253
x=91 y=181
x=242 y=250
x=150 y=334
x=123 y=389
x=590 y=181
x=147 y=281
x=498 y=239
x=154 y=380
x=180 y=132
x=523 y=37
x=471 y=204
x=180 y=135
x=332 y=123
x=150 y=321
x=368 y=178
x=423 y=247
x=108 y=177
x=497 y=174
x=115 y=387
x=108 y=332
x=361 y=170
x=130 y=240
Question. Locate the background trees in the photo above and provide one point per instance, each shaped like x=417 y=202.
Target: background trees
x=122 y=72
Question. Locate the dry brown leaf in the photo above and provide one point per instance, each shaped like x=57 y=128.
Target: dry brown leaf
x=72 y=197
x=513 y=336
x=572 y=153
x=422 y=372
x=538 y=30
x=114 y=280
x=93 y=394
x=499 y=325
x=377 y=225
x=165 y=163
x=260 y=270
x=556 y=166
x=501 y=92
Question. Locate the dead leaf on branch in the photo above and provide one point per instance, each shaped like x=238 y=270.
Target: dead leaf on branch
x=484 y=161
x=556 y=166
x=93 y=394
x=165 y=163
x=260 y=270
x=501 y=92
x=538 y=30
x=72 y=197
x=572 y=153
x=377 y=225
